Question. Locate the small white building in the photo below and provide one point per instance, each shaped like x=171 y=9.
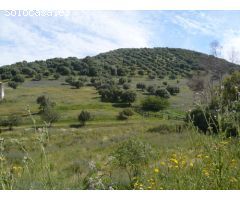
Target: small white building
x=1 y=91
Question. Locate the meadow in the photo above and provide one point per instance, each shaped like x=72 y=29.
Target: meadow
x=66 y=156
x=144 y=119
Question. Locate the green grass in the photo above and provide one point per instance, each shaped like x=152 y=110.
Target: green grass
x=61 y=161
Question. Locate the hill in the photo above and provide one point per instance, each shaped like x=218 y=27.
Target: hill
x=118 y=121
x=156 y=62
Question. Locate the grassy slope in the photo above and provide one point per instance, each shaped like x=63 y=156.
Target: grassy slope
x=72 y=101
x=71 y=149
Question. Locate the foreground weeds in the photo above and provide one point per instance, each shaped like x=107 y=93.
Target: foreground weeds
x=98 y=160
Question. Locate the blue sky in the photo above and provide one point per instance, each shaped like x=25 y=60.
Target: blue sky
x=82 y=33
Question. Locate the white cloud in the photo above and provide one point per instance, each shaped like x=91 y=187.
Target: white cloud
x=79 y=34
x=231 y=46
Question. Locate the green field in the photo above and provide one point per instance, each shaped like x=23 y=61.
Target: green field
x=69 y=157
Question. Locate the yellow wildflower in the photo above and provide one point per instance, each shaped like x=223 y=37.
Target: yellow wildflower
x=233 y=161
x=2 y=158
x=156 y=170
x=17 y=170
x=224 y=142
x=174 y=161
x=205 y=172
x=153 y=183
x=183 y=163
x=149 y=187
x=191 y=164
x=162 y=163
x=199 y=156
x=174 y=155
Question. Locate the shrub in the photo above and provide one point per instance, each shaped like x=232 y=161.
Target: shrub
x=151 y=76
x=230 y=88
x=230 y=129
x=11 y=121
x=151 y=89
x=70 y=80
x=37 y=77
x=172 y=77
x=84 y=116
x=154 y=104
x=141 y=72
x=128 y=97
x=56 y=76
x=111 y=94
x=204 y=120
x=44 y=103
x=13 y=84
x=125 y=114
x=128 y=111
x=126 y=86
x=131 y=156
x=165 y=83
x=141 y=86
x=122 y=116
x=162 y=93
x=196 y=84
x=77 y=84
x=46 y=73
x=161 y=76
x=122 y=80
x=18 y=78
x=63 y=70
x=50 y=115
x=173 y=90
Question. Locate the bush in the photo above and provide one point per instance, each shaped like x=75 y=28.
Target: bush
x=154 y=104
x=128 y=97
x=122 y=80
x=141 y=72
x=77 y=84
x=50 y=116
x=70 y=80
x=173 y=90
x=165 y=83
x=141 y=86
x=131 y=156
x=151 y=76
x=11 y=121
x=13 y=84
x=125 y=114
x=111 y=94
x=44 y=103
x=162 y=93
x=172 y=77
x=37 y=77
x=56 y=76
x=126 y=86
x=18 y=78
x=128 y=111
x=204 y=120
x=64 y=71
x=46 y=73
x=122 y=116
x=84 y=116
x=151 y=89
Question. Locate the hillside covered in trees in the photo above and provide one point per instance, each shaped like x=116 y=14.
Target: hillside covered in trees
x=154 y=62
